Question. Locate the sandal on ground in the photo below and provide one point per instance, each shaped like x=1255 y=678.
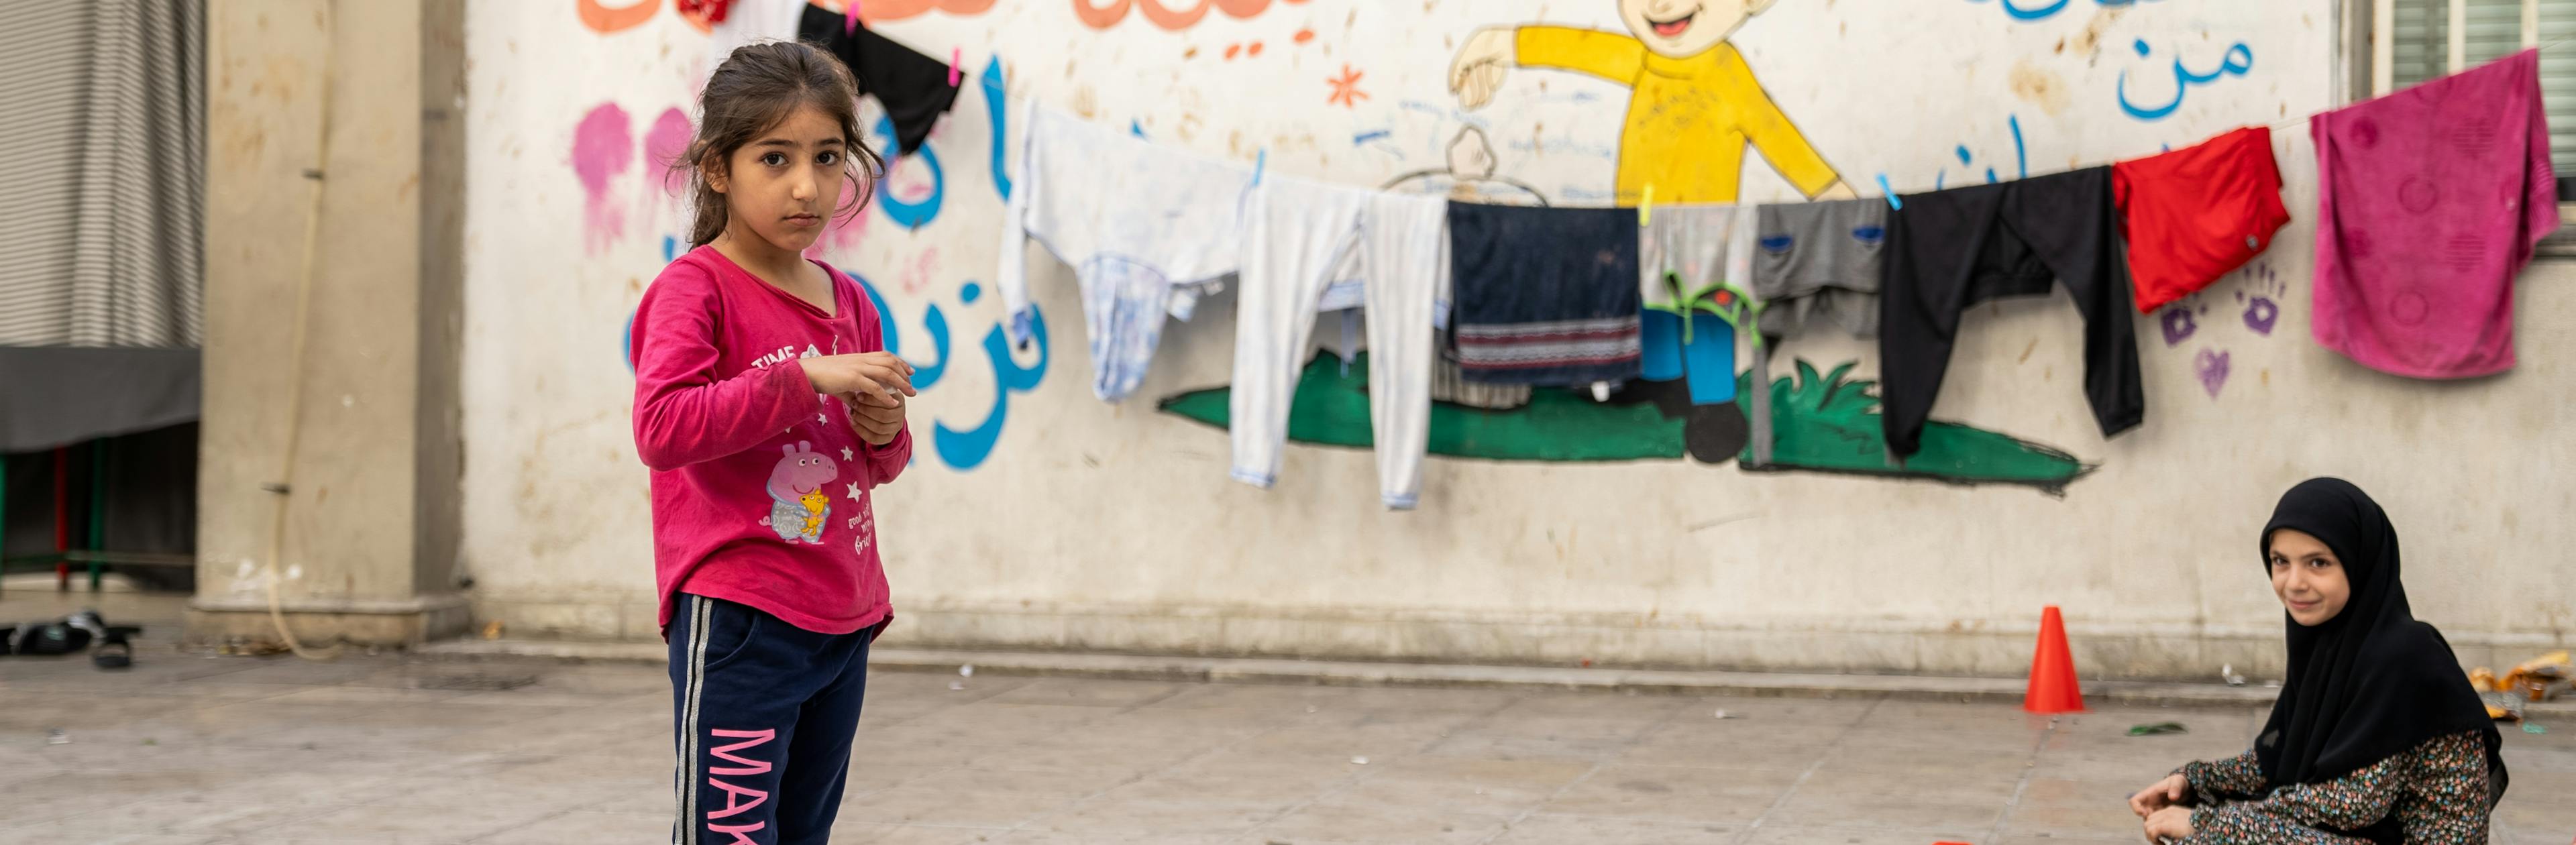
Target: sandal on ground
x=113 y=653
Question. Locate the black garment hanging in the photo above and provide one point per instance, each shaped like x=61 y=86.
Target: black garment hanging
x=914 y=88
x=2373 y=682
x=1948 y=251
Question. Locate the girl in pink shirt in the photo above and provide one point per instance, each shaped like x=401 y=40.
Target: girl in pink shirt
x=768 y=412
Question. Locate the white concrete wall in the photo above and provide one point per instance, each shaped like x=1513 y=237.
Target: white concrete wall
x=1096 y=527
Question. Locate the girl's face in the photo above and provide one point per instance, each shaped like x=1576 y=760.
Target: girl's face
x=2308 y=578
x=786 y=183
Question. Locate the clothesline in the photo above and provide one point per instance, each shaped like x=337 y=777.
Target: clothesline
x=2295 y=121
x=1893 y=195
x=1648 y=199
x=1549 y=297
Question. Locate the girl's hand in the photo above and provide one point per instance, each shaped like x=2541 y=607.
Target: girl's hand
x=2171 y=791
x=2170 y=823
x=876 y=424
x=873 y=378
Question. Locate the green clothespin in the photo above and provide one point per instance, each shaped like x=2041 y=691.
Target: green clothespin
x=1739 y=308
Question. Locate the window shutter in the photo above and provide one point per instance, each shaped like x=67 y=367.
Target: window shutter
x=2423 y=41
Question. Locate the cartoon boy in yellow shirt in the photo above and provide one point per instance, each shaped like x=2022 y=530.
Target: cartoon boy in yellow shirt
x=1695 y=106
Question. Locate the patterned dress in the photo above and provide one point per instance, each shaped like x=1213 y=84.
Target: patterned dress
x=2438 y=792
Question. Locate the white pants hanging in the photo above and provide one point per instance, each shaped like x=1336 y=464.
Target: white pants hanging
x=1295 y=234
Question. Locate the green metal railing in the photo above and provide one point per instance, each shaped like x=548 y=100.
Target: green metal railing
x=92 y=553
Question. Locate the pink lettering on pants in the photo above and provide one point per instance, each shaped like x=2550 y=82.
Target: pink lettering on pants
x=735 y=796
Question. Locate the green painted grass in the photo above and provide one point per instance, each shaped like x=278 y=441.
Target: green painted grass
x=1331 y=409
x=1821 y=423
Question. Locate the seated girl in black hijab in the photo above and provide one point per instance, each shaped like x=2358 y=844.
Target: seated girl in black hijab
x=2377 y=736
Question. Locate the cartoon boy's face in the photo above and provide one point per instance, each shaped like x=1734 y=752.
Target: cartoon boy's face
x=1684 y=28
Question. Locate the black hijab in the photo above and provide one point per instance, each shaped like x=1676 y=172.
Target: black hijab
x=2372 y=682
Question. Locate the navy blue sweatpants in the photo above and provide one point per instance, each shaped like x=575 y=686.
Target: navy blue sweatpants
x=764 y=711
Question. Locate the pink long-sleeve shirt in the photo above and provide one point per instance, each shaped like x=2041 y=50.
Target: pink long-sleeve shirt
x=761 y=487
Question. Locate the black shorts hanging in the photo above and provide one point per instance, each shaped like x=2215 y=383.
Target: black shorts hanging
x=914 y=88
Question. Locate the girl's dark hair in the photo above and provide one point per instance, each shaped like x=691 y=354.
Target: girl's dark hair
x=756 y=88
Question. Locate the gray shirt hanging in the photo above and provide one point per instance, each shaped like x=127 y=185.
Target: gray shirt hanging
x=1819 y=261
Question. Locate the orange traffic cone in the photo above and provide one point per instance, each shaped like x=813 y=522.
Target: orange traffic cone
x=2053 y=688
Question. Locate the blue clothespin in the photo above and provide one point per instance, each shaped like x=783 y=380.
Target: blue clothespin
x=1260 y=162
x=1892 y=201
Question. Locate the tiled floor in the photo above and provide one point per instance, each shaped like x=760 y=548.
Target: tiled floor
x=193 y=749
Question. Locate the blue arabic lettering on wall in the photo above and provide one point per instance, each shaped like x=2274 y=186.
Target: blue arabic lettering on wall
x=2238 y=60
x=914 y=214
x=626 y=338
x=934 y=322
x=1941 y=179
x=911 y=214
x=995 y=107
x=2021 y=158
x=969 y=448
x=2032 y=10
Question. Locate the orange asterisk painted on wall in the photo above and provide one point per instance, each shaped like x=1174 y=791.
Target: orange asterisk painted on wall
x=1346 y=88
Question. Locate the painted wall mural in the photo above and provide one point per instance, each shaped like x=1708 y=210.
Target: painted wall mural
x=604 y=18
x=968 y=448
x=603 y=148
x=1467 y=173
x=1694 y=106
x=914 y=192
x=2238 y=60
x=1686 y=82
x=1968 y=160
x=2040 y=10
x=1098 y=15
x=895 y=10
x=1346 y=89
x=1824 y=423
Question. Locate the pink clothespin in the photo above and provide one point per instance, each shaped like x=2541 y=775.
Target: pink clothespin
x=850 y=18
x=956 y=56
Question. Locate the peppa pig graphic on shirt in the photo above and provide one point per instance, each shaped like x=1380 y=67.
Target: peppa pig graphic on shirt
x=798 y=505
